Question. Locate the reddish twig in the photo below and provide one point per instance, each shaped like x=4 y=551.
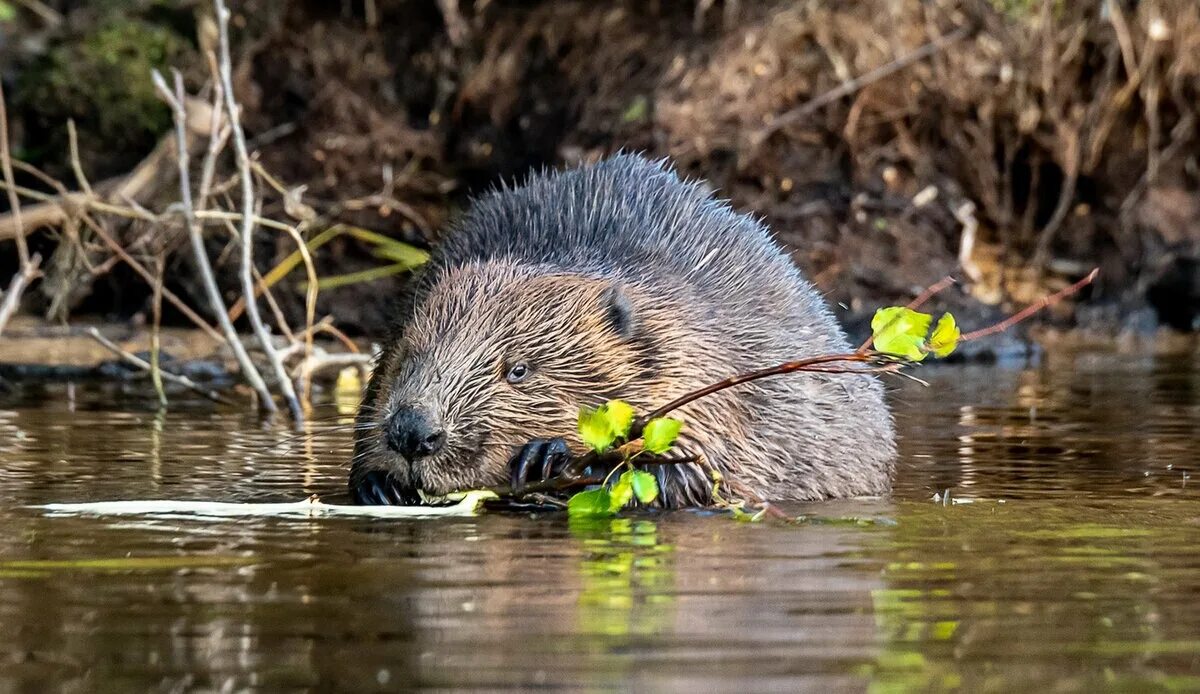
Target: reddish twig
x=581 y=463
x=806 y=364
x=1031 y=309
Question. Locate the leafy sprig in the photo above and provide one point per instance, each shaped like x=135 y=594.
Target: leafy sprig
x=610 y=426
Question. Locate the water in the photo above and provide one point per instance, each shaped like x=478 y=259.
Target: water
x=1074 y=569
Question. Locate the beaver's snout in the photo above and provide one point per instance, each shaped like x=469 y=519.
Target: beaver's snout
x=412 y=433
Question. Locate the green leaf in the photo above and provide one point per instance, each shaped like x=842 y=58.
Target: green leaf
x=645 y=486
x=900 y=331
x=622 y=492
x=8 y=11
x=594 y=502
x=638 y=109
x=945 y=336
x=659 y=434
x=620 y=417
x=601 y=426
x=594 y=428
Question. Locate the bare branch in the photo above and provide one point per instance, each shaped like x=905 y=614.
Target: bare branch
x=28 y=271
x=225 y=68
x=216 y=305
x=16 y=288
x=13 y=201
x=1031 y=309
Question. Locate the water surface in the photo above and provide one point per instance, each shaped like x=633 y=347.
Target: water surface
x=1074 y=564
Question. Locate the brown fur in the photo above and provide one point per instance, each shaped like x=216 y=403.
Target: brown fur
x=594 y=289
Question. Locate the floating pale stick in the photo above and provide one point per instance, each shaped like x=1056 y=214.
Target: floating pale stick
x=465 y=504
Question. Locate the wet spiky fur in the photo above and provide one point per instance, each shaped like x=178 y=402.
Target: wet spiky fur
x=618 y=280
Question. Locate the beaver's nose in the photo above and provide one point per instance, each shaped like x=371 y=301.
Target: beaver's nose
x=411 y=433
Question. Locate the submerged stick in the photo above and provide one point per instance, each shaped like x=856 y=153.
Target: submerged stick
x=248 y=216
x=465 y=504
x=146 y=366
x=156 y=331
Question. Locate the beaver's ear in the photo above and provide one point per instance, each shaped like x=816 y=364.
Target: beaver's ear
x=618 y=310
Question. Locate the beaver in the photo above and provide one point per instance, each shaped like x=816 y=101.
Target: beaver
x=613 y=280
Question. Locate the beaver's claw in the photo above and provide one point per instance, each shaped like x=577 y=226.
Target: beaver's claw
x=379 y=488
x=538 y=460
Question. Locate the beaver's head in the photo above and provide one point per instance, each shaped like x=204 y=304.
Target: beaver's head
x=493 y=355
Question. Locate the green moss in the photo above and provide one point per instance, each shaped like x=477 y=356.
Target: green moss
x=101 y=79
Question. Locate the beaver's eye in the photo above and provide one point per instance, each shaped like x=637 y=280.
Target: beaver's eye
x=517 y=372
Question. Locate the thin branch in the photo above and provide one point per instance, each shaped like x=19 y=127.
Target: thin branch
x=216 y=305
x=847 y=88
x=143 y=365
x=310 y=307
x=930 y=292
x=225 y=68
x=29 y=266
x=218 y=137
x=76 y=164
x=13 y=201
x=777 y=370
x=1031 y=309
x=873 y=363
x=16 y=288
x=576 y=467
x=149 y=278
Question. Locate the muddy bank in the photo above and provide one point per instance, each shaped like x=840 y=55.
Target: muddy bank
x=1013 y=144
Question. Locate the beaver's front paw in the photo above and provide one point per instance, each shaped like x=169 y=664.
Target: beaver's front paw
x=379 y=488
x=539 y=460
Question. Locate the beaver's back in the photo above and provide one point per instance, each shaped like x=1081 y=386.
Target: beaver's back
x=630 y=218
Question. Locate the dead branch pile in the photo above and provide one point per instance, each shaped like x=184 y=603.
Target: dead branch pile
x=90 y=220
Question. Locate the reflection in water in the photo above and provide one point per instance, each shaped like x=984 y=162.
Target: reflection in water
x=1005 y=596
x=626 y=577
x=1075 y=564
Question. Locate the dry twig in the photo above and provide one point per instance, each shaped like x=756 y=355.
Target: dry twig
x=29 y=265
x=225 y=68
x=216 y=305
